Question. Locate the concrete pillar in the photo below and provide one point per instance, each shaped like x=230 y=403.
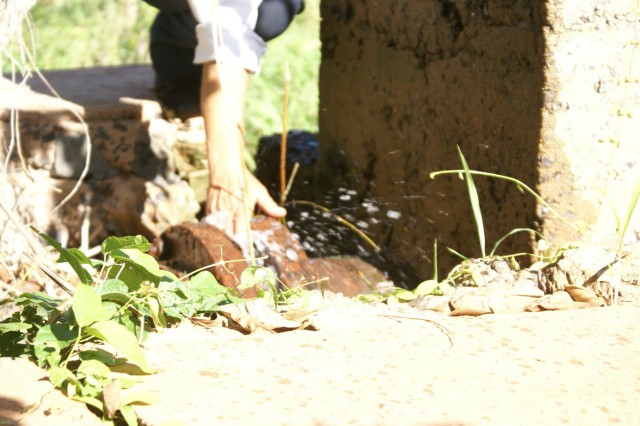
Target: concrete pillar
x=544 y=92
x=590 y=152
x=401 y=84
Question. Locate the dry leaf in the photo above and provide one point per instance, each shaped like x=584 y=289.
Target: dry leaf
x=474 y=312
x=209 y=323
x=111 y=395
x=559 y=301
x=299 y=315
x=581 y=294
x=257 y=315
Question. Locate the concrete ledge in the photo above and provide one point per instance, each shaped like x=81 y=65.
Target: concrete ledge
x=94 y=93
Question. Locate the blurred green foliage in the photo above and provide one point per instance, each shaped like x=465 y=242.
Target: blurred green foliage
x=81 y=33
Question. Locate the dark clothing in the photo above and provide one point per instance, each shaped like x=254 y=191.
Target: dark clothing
x=173 y=43
x=274 y=16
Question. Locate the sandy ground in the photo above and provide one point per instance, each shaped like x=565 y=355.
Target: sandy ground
x=368 y=365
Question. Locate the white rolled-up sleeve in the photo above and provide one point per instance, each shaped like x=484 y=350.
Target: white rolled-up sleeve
x=237 y=20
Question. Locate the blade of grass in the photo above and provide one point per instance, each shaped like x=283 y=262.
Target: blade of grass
x=631 y=207
x=519 y=184
x=475 y=202
x=510 y=233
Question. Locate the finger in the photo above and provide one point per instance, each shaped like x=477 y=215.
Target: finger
x=267 y=204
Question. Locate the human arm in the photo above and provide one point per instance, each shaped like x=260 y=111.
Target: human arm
x=229 y=50
x=233 y=191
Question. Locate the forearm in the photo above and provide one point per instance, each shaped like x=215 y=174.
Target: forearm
x=223 y=113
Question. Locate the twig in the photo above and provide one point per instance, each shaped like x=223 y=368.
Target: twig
x=38 y=249
x=65 y=285
x=15 y=133
x=439 y=326
x=84 y=228
x=294 y=172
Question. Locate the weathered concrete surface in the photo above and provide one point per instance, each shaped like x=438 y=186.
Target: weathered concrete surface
x=365 y=368
x=589 y=145
x=96 y=93
x=539 y=91
x=376 y=365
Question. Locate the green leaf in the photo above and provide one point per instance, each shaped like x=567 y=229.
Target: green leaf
x=12 y=345
x=129 y=415
x=14 y=326
x=93 y=367
x=370 y=298
x=142 y=263
x=155 y=311
x=94 y=402
x=475 y=202
x=50 y=340
x=115 y=290
x=87 y=306
x=205 y=293
x=44 y=303
x=59 y=375
x=74 y=257
x=405 y=295
x=127 y=274
x=631 y=207
x=137 y=242
x=102 y=356
x=122 y=339
x=425 y=288
x=206 y=283
x=142 y=397
x=167 y=277
x=94 y=376
x=210 y=304
x=256 y=276
x=128 y=381
x=171 y=302
x=111 y=286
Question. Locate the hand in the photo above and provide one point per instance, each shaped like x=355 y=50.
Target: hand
x=225 y=208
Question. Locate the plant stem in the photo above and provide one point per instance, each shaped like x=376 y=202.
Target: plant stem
x=73 y=348
x=283 y=137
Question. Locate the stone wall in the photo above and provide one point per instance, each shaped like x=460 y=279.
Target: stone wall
x=134 y=182
x=402 y=83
